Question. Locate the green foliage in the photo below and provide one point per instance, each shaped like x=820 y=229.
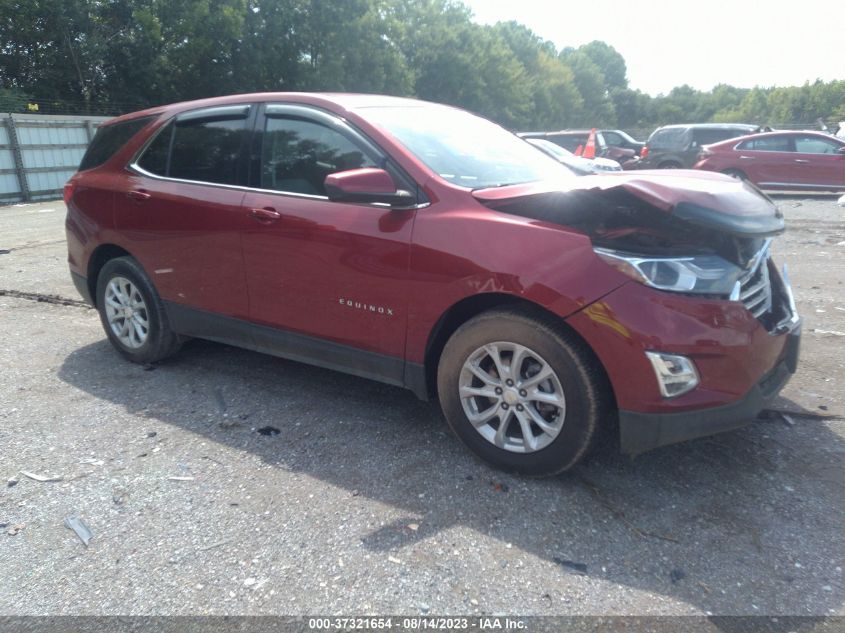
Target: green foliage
x=115 y=56
x=13 y=100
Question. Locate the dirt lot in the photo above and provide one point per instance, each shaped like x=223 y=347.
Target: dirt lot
x=365 y=503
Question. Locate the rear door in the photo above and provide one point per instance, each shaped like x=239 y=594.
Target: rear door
x=768 y=160
x=818 y=165
x=181 y=211
x=327 y=279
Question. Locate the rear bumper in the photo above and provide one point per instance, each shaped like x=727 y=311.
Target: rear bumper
x=640 y=432
x=81 y=284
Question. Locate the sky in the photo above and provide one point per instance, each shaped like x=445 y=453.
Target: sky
x=669 y=43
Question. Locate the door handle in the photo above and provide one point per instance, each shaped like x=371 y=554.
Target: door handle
x=746 y=158
x=267 y=215
x=801 y=160
x=138 y=195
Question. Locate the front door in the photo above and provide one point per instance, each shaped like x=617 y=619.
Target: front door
x=818 y=163
x=327 y=280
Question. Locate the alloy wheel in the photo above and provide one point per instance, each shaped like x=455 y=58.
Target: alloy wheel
x=126 y=312
x=512 y=397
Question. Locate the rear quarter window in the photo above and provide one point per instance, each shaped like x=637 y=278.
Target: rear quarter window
x=109 y=139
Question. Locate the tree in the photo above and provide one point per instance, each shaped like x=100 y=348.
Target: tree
x=609 y=61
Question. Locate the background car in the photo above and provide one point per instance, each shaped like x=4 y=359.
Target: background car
x=614 y=144
x=677 y=146
x=781 y=160
x=580 y=165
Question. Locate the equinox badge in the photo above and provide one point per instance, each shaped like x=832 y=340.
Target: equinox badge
x=358 y=305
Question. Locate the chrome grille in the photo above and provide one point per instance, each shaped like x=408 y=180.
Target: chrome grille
x=755 y=290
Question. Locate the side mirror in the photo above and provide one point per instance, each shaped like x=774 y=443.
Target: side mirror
x=367 y=186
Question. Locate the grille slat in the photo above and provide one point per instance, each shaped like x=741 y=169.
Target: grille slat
x=755 y=290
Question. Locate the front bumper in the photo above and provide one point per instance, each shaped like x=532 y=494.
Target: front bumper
x=640 y=432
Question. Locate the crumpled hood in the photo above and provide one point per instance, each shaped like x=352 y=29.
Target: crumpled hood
x=708 y=199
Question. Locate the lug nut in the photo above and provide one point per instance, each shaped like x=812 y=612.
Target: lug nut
x=519 y=407
x=523 y=393
x=509 y=382
x=498 y=391
x=504 y=405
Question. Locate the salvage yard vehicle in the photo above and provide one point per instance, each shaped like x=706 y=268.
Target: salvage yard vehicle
x=578 y=164
x=811 y=161
x=422 y=246
x=677 y=146
x=614 y=145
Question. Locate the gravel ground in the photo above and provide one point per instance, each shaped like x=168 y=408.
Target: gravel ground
x=364 y=503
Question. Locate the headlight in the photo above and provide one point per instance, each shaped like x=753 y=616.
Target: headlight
x=702 y=274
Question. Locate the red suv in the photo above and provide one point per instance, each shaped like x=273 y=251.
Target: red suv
x=422 y=246
x=780 y=160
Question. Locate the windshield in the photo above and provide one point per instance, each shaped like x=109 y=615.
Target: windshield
x=465 y=149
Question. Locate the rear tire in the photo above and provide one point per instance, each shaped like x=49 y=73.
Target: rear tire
x=133 y=314
x=670 y=165
x=549 y=425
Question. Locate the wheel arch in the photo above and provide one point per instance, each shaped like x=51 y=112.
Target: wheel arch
x=101 y=255
x=469 y=307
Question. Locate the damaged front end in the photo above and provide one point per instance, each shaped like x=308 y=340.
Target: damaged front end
x=699 y=234
x=709 y=335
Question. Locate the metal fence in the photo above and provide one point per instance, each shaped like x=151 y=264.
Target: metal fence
x=38 y=153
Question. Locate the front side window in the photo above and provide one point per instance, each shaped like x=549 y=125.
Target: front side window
x=464 y=149
x=297 y=155
x=198 y=149
x=815 y=145
x=612 y=138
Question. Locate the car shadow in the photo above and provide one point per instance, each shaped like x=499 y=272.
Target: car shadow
x=744 y=522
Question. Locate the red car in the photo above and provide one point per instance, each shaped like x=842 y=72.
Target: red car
x=422 y=246
x=780 y=160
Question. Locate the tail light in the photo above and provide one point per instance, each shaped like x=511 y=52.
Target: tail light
x=70 y=186
x=644 y=151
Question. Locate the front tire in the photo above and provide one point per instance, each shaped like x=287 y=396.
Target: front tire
x=520 y=393
x=132 y=314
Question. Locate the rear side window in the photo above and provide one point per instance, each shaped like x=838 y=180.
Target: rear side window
x=669 y=138
x=297 y=156
x=109 y=139
x=207 y=151
x=200 y=148
x=767 y=144
x=705 y=136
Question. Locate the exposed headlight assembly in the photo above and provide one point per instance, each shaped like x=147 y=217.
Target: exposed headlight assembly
x=700 y=274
